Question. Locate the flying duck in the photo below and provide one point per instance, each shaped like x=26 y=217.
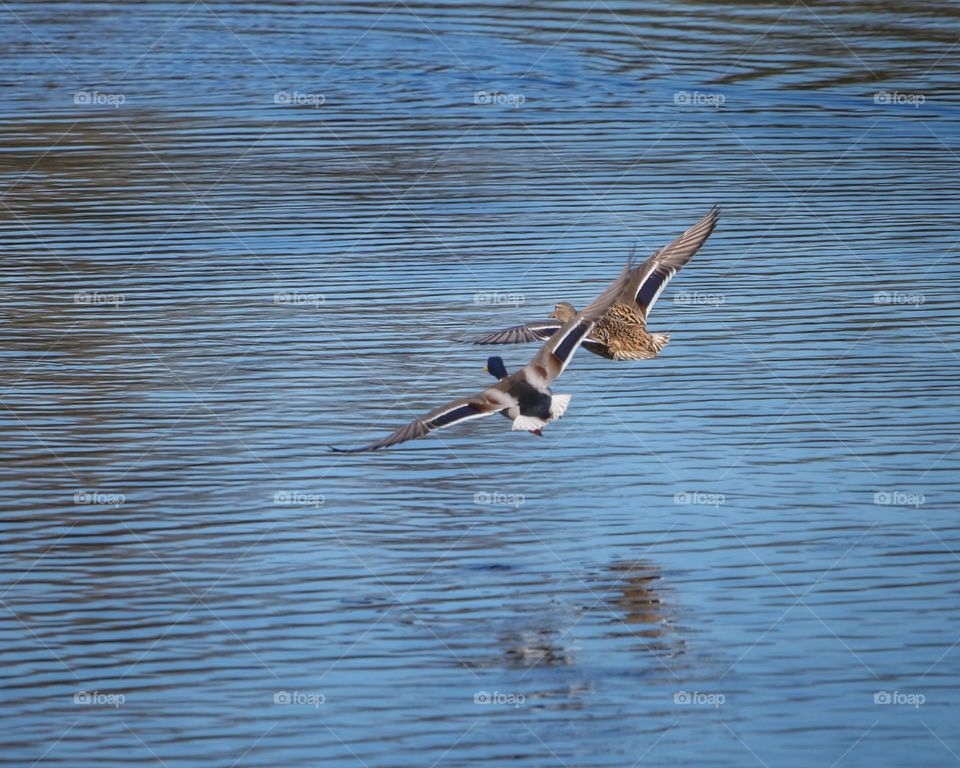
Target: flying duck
x=622 y=334
x=523 y=396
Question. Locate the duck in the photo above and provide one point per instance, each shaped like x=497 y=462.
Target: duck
x=622 y=333
x=524 y=396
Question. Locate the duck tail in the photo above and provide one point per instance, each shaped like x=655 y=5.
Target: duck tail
x=660 y=340
x=528 y=423
x=558 y=405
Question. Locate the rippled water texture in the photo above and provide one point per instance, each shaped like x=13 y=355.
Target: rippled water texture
x=233 y=234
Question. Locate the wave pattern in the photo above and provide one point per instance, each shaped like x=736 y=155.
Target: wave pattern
x=236 y=233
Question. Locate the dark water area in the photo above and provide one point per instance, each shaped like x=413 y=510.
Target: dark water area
x=233 y=234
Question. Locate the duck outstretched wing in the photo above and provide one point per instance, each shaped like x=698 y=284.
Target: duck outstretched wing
x=555 y=355
x=650 y=278
x=521 y=334
x=487 y=402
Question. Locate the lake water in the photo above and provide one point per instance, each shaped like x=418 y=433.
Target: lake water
x=233 y=234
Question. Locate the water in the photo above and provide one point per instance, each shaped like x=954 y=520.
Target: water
x=233 y=234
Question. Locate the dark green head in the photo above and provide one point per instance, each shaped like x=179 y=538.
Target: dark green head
x=496 y=367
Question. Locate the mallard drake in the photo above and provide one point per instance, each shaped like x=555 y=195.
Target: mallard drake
x=523 y=396
x=622 y=334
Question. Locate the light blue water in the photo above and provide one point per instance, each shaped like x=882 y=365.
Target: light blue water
x=233 y=234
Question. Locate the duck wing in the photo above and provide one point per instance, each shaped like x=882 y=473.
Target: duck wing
x=651 y=277
x=489 y=401
x=554 y=356
x=521 y=334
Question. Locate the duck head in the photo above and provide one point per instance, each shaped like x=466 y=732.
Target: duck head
x=496 y=367
x=563 y=312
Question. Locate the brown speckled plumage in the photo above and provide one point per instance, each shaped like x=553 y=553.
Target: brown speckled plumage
x=622 y=334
